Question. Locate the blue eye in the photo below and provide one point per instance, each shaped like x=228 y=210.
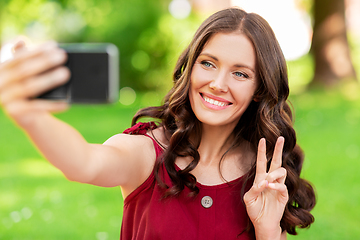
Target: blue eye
x=240 y=74
x=206 y=64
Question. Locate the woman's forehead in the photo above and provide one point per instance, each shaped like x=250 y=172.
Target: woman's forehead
x=232 y=48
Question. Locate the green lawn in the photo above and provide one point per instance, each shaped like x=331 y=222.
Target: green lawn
x=36 y=202
x=328 y=130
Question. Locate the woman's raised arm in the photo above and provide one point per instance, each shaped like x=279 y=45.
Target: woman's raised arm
x=32 y=72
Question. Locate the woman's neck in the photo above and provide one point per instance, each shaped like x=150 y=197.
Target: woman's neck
x=215 y=141
x=212 y=168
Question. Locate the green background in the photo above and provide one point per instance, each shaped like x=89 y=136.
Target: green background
x=37 y=202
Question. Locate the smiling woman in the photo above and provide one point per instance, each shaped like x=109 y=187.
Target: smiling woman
x=233 y=61
x=222 y=159
x=223 y=80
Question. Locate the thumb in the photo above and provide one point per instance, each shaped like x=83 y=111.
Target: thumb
x=18 y=46
x=251 y=196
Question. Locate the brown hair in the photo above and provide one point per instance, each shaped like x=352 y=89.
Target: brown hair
x=270 y=116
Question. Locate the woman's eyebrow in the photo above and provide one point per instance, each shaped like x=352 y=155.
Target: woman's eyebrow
x=236 y=65
x=209 y=55
x=244 y=66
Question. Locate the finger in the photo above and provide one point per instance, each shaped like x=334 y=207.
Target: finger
x=277 y=176
x=251 y=196
x=280 y=188
x=42 y=61
x=34 y=86
x=10 y=70
x=277 y=156
x=261 y=161
x=30 y=63
x=31 y=52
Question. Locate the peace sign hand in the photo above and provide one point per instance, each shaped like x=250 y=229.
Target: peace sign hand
x=266 y=200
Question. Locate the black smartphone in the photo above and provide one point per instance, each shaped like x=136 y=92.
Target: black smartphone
x=94 y=71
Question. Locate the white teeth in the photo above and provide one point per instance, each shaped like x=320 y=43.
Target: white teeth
x=214 y=102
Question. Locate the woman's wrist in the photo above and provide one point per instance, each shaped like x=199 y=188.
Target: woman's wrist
x=264 y=233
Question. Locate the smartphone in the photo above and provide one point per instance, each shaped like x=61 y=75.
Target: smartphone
x=94 y=71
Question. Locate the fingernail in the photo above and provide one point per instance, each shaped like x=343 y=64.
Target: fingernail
x=271 y=185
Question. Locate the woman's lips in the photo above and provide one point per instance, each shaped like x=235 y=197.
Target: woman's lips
x=214 y=102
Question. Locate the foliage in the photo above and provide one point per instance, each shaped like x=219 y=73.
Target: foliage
x=354 y=42
x=300 y=73
x=307 y=5
x=148 y=37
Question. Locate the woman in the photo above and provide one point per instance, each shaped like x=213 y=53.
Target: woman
x=222 y=163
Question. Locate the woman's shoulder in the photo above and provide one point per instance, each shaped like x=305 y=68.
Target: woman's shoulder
x=136 y=147
x=151 y=129
x=160 y=135
x=144 y=136
x=138 y=153
x=140 y=128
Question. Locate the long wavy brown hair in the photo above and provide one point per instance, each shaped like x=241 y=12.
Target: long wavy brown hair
x=269 y=116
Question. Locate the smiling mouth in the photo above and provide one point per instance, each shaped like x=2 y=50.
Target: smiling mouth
x=215 y=102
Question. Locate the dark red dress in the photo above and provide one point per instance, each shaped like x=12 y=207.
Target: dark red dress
x=217 y=212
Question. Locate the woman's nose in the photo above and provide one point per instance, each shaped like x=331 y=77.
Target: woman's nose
x=219 y=83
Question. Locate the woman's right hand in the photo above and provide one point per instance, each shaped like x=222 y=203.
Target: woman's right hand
x=29 y=74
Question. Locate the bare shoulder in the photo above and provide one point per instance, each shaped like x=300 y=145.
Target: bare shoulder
x=130 y=144
x=160 y=136
x=136 y=156
x=135 y=141
x=125 y=139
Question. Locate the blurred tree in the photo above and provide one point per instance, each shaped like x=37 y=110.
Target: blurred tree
x=330 y=46
x=148 y=37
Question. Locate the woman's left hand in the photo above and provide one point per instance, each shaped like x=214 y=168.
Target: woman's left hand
x=266 y=200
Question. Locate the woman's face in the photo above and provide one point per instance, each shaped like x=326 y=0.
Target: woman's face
x=223 y=79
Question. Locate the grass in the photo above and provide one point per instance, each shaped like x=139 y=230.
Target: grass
x=36 y=202
x=327 y=123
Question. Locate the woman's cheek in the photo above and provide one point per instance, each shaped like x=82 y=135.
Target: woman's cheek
x=201 y=77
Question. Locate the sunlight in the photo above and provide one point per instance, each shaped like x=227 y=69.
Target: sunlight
x=180 y=8
x=291 y=25
x=127 y=96
x=353 y=16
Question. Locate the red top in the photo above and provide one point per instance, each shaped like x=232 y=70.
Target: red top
x=146 y=216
